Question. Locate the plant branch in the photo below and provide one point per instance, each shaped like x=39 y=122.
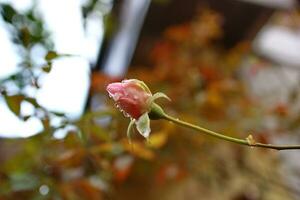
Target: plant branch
x=228 y=138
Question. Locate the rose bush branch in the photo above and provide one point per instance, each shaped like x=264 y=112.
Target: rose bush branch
x=158 y=112
x=136 y=101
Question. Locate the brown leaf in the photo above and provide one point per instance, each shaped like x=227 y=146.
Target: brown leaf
x=139 y=149
x=14 y=103
x=51 y=55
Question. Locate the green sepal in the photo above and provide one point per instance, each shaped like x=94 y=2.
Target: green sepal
x=159 y=95
x=130 y=129
x=143 y=125
x=143 y=85
x=156 y=112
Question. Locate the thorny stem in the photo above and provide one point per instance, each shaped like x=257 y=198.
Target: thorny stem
x=228 y=138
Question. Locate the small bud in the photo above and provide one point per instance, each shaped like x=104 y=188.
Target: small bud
x=250 y=140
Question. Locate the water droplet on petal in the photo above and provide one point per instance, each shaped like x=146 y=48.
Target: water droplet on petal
x=126 y=114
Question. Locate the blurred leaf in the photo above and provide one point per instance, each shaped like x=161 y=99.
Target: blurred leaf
x=25 y=118
x=33 y=101
x=71 y=158
x=46 y=123
x=23 y=181
x=80 y=189
x=157 y=140
x=58 y=114
x=80 y=135
x=14 y=103
x=47 y=68
x=86 y=9
x=214 y=98
x=25 y=36
x=139 y=149
x=112 y=148
x=51 y=55
x=99 y=132
x=110 y=24
x=8 y=12
x=209 y=74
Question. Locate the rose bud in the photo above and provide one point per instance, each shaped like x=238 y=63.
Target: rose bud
x=130 y=97
x=135 y=100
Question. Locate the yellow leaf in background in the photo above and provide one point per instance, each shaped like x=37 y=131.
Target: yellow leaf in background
x=214 y=98
x=138 y=149
x=157 y=140
x=114 y=148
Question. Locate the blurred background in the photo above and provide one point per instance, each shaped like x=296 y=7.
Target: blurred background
x=231 y=66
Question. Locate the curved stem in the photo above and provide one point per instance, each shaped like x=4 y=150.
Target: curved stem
x=228 y=138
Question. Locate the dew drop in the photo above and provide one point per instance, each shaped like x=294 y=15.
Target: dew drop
x=125 y=114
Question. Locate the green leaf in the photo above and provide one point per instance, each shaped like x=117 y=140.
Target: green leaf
x=143 y=125
x=32 y=101
x=8 y=12
x=26 y=117
x=51 y=55
x=58 y=114
x=79 y=134
x=47 y=68
x=14 y=103
x=99 y=132
x=23 y=181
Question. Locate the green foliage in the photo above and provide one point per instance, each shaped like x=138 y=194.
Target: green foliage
x=14 y=103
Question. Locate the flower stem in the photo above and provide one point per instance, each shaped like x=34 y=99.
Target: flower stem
x=228 y=138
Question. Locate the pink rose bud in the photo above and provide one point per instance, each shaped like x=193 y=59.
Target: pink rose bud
x=131 y=97
x=135 y=100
